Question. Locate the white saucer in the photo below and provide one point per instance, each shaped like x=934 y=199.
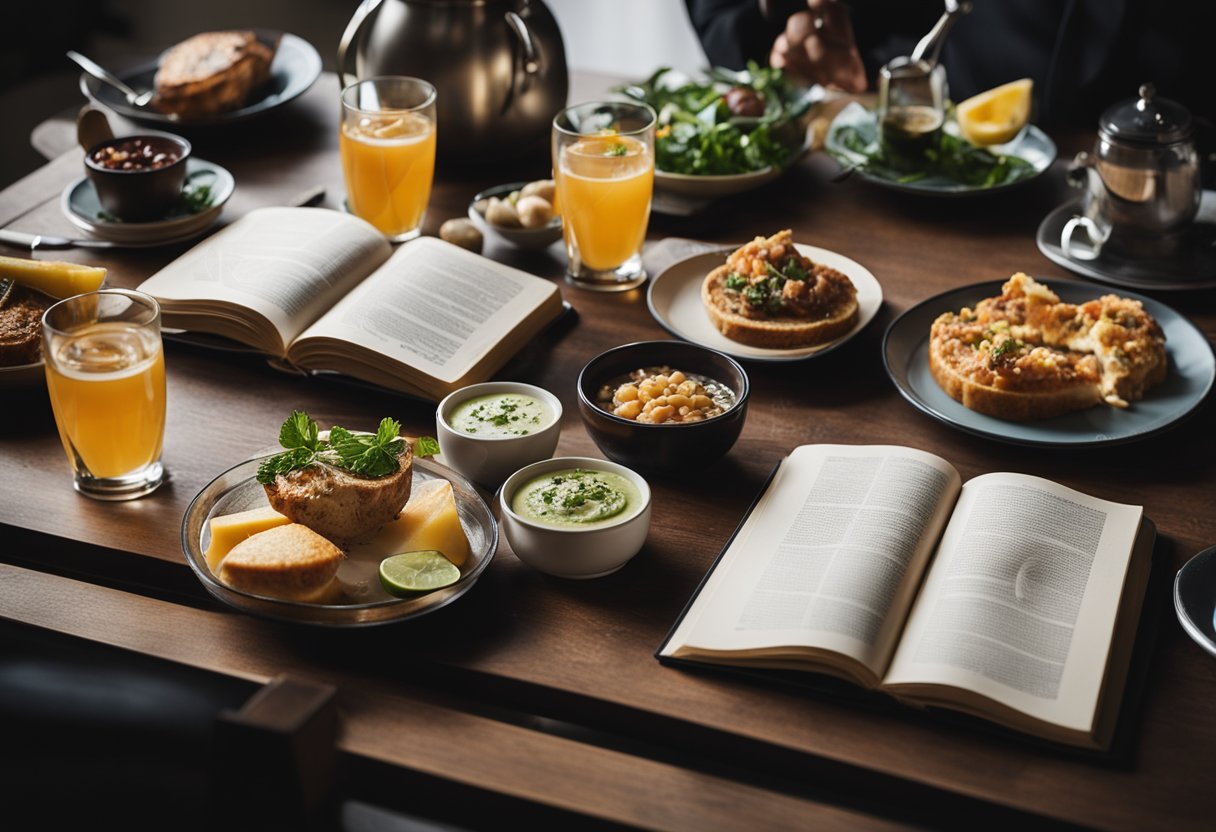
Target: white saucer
x=81 y=205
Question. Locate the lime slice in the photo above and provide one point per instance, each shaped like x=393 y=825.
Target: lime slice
x=410 y=573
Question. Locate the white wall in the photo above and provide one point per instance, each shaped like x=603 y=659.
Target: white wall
x=627 y=38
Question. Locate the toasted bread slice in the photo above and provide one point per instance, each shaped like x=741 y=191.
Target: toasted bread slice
x=1027 y=355
x=21 y=327
x=291 y=562
x=211 y=73
x=991 y=374
x=343 y=507
x=775 y=331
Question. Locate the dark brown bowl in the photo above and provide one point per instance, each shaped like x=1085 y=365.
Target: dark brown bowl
x=141 y=194
x=666 y=447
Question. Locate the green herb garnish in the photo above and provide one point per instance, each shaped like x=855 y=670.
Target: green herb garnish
x=735 y=281
x=616 y=150
x=370 y=455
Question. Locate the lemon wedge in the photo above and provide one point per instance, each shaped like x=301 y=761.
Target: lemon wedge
x=995 y=116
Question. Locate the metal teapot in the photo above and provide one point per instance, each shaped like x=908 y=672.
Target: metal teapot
x=499 y=67
x=1142 y=181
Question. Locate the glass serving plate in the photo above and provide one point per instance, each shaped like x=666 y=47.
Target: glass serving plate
x=364 y=601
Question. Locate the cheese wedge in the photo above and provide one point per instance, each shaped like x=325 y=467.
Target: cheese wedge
x=230 y=529
x=428 y=521
x=57 y=279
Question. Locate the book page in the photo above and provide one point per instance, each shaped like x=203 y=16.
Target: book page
x=434 y=307
x=1020 y=603
x=830 y=558
x=285 y=265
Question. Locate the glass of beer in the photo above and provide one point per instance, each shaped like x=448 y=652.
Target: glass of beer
x=388 y=152
x=603 y=165
x=105 y=372
x=911 y=111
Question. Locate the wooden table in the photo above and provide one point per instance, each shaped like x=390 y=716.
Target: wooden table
x=540 y=697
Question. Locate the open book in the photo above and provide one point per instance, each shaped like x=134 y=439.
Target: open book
x=1010 y=598
x=323 y=290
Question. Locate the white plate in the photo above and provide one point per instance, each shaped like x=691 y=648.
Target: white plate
x=674 y=299
x=80 y=204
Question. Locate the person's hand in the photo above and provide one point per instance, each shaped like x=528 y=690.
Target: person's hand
x=818 y=47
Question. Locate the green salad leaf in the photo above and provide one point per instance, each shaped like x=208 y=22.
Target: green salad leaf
x=728 y=123
x=854 y=141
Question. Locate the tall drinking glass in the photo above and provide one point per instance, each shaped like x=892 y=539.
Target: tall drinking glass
x=105 y=371
x=603 y=164
x=388 y=152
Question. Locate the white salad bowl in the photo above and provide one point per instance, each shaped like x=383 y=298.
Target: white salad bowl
x=569 y=551
x=487 y=459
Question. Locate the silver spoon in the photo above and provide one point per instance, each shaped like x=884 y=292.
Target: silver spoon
x=930 y=45
x=135 y=99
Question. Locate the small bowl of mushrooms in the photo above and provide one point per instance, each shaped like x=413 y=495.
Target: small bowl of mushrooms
x=520 y=213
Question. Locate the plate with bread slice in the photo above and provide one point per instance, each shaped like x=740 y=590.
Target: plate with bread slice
x=768 y=300
x=303 y=533
x=214 y=78
x=1062 y=364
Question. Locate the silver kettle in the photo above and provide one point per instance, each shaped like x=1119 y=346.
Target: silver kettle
x=1142 y=182
x=499 y=67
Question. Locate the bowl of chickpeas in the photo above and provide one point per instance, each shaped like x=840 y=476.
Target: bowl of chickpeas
x=663 y=406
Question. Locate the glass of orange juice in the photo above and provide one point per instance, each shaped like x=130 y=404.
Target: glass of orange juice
x=388 y=152
x=603 y=164
x=105 y=372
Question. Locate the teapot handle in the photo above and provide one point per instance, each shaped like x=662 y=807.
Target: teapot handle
x=531 y=59
x=351 y=34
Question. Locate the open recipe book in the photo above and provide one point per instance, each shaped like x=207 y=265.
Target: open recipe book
x=1010 y=598
x=323 y=290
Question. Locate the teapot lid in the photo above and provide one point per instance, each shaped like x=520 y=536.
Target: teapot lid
x=1147 y=120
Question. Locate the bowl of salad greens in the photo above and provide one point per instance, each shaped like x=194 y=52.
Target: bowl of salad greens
x=952 y=166
x=727 y=132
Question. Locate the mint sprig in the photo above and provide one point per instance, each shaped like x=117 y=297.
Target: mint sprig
x=370 y=455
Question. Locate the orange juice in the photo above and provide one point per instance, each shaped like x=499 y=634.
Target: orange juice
x=604 y=184
x=107 y=388
x=389 y=162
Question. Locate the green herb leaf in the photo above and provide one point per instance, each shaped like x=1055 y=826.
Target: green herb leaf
x=372 y=456
x=426 y=446
x=299 y=431
x=282 y=463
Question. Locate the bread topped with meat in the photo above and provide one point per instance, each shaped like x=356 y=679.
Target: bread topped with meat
x=21 y=326
x=769 y=295
x=210 y=73
x=1025 y=355
x=340 y=505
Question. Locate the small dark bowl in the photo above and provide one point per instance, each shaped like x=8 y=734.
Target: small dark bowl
x=142 y=194
x=665 y=447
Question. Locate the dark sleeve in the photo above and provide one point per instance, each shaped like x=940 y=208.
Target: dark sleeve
x=732 y=32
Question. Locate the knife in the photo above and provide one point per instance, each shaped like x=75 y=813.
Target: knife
x=33 y=242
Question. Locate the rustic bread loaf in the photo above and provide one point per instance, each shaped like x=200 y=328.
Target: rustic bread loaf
x=211 y=73
x=339 y=505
